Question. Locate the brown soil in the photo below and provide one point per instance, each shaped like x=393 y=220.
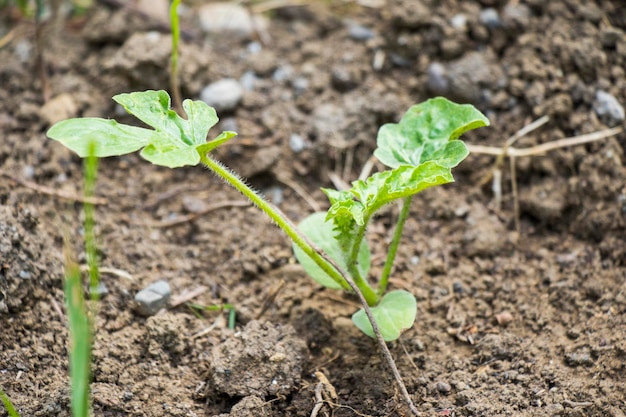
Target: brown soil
x=509 y=324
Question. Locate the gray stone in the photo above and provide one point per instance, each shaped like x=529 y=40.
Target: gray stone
x=296 y=143
x=228 y=18
x=100 y=290
x=224 y=94
x=608 y=109
x=490 y=18
x=437 y=78
x=153 y=298
x=459 y=21
x=360 y=32
x=248 y=80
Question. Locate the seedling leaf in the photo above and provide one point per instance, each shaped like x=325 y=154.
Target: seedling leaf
x=110 y=137
x=428 y=132
x=322 y=234
x=175 y=142
x=393 y=315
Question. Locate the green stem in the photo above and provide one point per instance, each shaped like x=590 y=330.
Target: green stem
x=354 y=254
x=393 y=246
x=288 y=227
x=174 y=85
x=91 y=173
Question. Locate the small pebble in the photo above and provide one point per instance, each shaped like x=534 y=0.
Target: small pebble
x=223 y=95
x=99 y=290
x=25 y=274
x=282 y=73
x=608 y=109
x=248 y=80
x=229 y=18
x=437 y=79
x=457 y=287
x=153 y=298
x=360 y=32
x=300 y=85
x=579 y=358
x=443 y=387
x=490 y=18
x=504 y=318
x=28 y=172
x=459 y=21
x=296 y=143
x=254 y=47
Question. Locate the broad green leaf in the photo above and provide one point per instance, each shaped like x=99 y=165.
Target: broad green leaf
x=428 y=132
x=394 y=314
x=202 y=118
x=110 y=137
x=322 y=234
x=153 y=108
x=175 y=142
x=383 y=188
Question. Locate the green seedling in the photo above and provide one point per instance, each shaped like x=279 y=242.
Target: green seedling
x=421 y=151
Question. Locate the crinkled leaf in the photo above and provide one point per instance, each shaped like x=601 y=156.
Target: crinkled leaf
x=428 y=132
x=175 y=142
x=322 y=234
x=394 y=314
x=109 y=137
x=383 y=188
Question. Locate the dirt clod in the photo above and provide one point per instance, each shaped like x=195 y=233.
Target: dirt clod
x=263 y=359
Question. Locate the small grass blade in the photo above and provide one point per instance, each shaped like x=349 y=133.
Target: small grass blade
x=8 y=405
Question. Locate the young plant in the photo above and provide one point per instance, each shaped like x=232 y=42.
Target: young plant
x=421 y=150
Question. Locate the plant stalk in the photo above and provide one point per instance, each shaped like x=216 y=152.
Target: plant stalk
x=174 y=83
x=354 y=255
x=322 y=260
x=393 y=246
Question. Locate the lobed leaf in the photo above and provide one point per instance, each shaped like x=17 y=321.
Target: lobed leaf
x=394 y=314
x=428 y=132
x=173 y=143
x=322 y=234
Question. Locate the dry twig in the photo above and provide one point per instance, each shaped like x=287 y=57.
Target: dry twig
x=42 y=189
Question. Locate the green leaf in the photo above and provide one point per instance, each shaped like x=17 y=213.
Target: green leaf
x=393 y=315
x=110 y=137
x=175 y=142
x=383 y=188
x=322 y=234
x=428 y=132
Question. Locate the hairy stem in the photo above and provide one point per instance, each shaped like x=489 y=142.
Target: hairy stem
x=354 y=255
x=393 y=246
x=321 y=259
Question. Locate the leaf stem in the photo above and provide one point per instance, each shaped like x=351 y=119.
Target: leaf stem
x=354 y=254
x=393 y=246
x=274 y=213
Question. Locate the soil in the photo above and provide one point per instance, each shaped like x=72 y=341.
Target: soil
x=510 y=323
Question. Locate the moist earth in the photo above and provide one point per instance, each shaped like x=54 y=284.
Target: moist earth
x=518 y=315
